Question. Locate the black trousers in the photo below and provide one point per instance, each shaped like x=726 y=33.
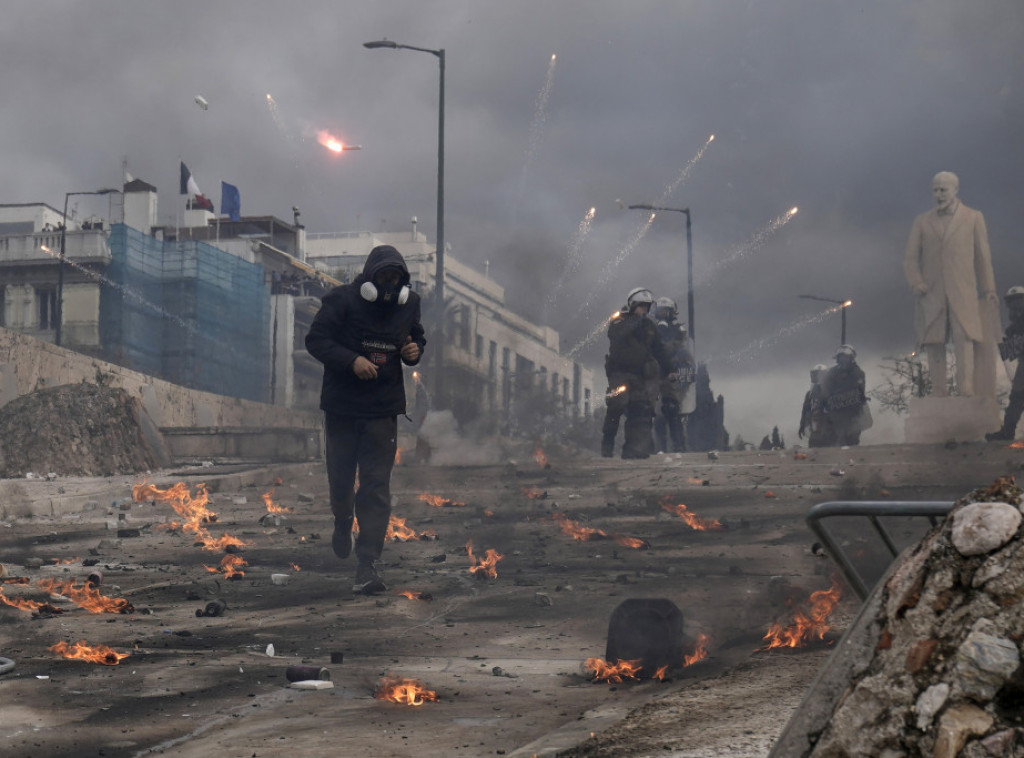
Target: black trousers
x=366 y=446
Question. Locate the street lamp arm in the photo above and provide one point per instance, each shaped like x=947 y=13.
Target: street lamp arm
x=648 y=207
x=386 y=43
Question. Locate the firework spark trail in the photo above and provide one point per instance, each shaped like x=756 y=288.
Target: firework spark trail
x=757 y=346
x=684 y=173
x=597 y=332
x=540 y=117
x=572 y=261
x=755 y=243
x=274 y=114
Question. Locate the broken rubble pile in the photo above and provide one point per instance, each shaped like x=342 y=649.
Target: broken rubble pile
x=946 y=678
x=74 y=430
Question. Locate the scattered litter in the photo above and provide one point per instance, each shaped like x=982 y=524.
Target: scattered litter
x=712 y=455
x=42 y=676
x=837 y=472
x=301 y=673
x=279 y=579
x=312 y=684
x=270 y=650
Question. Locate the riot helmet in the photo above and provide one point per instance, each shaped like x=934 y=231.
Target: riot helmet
x=639 y=296
x=665 y=309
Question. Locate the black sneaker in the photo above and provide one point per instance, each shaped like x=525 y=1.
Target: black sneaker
x=341 y=540
x=368 y=581
x=1002 y=434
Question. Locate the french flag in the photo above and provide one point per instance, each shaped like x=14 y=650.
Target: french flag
x=189 y=187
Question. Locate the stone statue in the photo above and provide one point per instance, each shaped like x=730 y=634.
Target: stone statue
x=949 y=268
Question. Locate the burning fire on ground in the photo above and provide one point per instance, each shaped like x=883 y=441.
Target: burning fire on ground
x=805 y=626
x=397 y=689
x=230 y=566
x=534 y=493
x=86 y=596
x=613 y=672
x=193 y=511
x=440 y=502
x=542 y=460
x=272 y=507
x=486 y=567
x=83 y=651
x=399 y=532
x=692 y=520
x=416 y=595
x=32 y=606
x=700 y=650
x=1018 y=445
x=581 y=533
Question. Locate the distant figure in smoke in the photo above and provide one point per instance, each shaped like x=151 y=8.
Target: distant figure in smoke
x=363 y=333
x=813 y=420
x=948 y=265
x=844 y=402
x=1012 y=349
x=635 y=362
x=670 y=425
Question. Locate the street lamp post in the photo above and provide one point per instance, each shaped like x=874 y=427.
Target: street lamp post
x=439 y=255
x=689 y=259
x=843 y=305
x=60 y=265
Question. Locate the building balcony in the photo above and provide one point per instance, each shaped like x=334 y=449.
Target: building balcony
x=81 y=246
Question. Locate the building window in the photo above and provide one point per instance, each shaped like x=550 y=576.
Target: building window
x=586 y=402
x=478 y=347
x=47 y=300
x=554 y=383
x=492 y=360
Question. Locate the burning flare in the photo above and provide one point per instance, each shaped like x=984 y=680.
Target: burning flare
x=616 y=392
x=805 y=626
x=700 y=650
x=486 y=567
x=692 y=520
x=579 y=533
x=440 y=502
x=82 y=651
x=613 y=672
x=86 y=596
x=326 y=139
x=397 y=689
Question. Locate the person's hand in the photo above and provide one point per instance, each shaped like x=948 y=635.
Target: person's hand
x=921 y=288
x=410 y=351
x=800 y=433
x=363 y=368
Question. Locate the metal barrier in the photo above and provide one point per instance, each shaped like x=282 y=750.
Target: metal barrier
x=933 y=510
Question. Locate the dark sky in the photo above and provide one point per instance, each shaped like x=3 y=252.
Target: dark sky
x=844 y=109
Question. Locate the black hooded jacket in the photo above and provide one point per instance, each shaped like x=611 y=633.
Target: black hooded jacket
x=347 y=326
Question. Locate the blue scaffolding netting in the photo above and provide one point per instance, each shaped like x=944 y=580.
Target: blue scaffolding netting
x=187 y=312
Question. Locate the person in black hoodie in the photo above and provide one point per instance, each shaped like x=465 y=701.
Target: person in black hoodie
x=363 y=333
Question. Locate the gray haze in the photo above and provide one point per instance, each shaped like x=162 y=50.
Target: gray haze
x=845 y=109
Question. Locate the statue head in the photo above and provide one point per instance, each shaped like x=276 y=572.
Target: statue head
x=945 y=186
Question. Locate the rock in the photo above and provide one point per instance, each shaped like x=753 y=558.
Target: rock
x=305 y=497
x=919 y=654
x=956 y=725
x=542 y=599
x=1000 y=743
x=979 y=528
x=929 y=703
x=983 y=664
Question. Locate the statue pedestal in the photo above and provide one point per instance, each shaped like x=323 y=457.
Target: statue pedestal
x=940 y=419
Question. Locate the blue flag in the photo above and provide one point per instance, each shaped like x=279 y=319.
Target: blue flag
x=230 y=201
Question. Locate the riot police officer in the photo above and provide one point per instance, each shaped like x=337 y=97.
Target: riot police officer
x=669 y=425
x=635 y=362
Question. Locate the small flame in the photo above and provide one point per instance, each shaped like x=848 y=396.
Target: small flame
x=295 y=567
x=579 y=533
x=1018 y=445
x=398 y=456
x=607 y=672
x=661 y=673
x=700 y=650
x=416 y=595
x=617 y=314
x=193 y=510
x=398 y=531
x=542 y=460
x=326 y=139
x=82 y=651
x=534 y=493
x=87 y=596
x=692 y=520
x=797 y=456
x=631 y=542
x=694 y=480
x=397 y=689
x=805 y=626
x=440 y=502
x=616 y=392
x=230 y=566
x=486 y=567
x=272 y=507
x=32 y=606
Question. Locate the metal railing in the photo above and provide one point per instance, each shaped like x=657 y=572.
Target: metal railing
x=873 y=511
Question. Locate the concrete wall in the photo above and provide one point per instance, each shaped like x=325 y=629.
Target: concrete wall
x=28 y=364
